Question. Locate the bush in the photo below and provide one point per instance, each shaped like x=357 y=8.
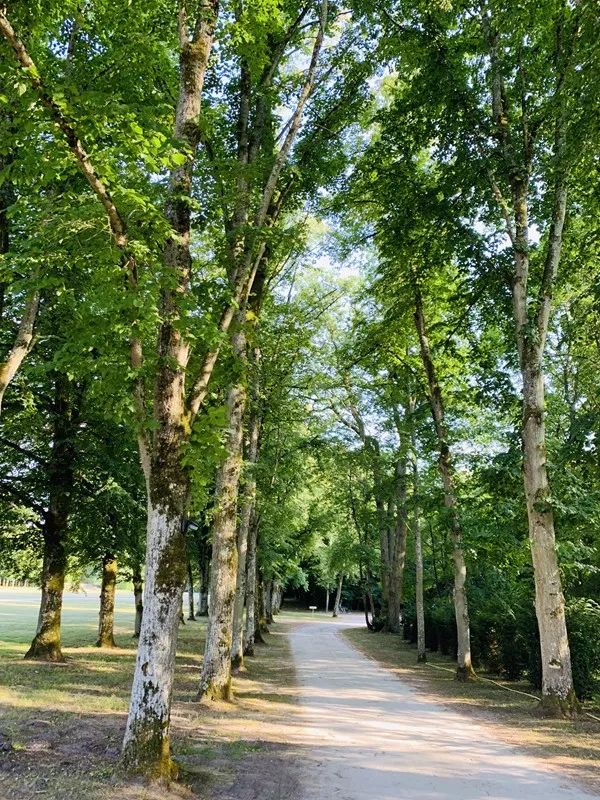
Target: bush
x=583 y=624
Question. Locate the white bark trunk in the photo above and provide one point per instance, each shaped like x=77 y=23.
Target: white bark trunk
x=147 y=733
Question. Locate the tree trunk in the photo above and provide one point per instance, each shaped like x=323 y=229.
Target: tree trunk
x=245 y=533
x=268 y=602
x=276 y=598
x=46 y=643
x=464 y=669
x=106 y=622
x=251 y=577
x=557 y=681
x=327 y=599
x=22 y=343
x=397 y=550
x=191 y=614
x=338 y=595
x=558 y=696
x=421 y=655
x=201 y=538
x=215 y=680
x=138 y=589
x=261 y=620
x=146 y=742
x=237 y=645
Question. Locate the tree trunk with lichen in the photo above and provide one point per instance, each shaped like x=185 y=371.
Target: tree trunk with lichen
x=267 y=612
x=558 y=696
x=138 y=594
x=46 y=643
x=241 y=593
x=261 y=626
x=464 y=667
x=251 y=597
x=338 y=595
x=531 y=318
x=215 y=679
x=146 y=743
x=106 y=621
x=246 y=571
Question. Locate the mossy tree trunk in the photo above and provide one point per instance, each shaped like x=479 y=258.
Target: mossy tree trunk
x=268 y=602
x=251 y=596
x=46 y=644
x=146 y=742
x=215 y=679
x=247 y=572
x=106 y=621
x=201 y=534
x=261 y=620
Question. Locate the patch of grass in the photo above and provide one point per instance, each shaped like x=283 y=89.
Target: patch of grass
x=572 y=745
x=65 y=722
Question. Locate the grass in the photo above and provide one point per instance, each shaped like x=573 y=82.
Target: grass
x=573 y=746
x=65 y=722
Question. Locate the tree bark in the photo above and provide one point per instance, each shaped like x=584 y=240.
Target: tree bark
x=327 y=599
x=338 y=595
x=191 y=614
x=261 y=620
x=21 y=345
x=420 y=607
x=247 y=511
x=397 y=549
x=215 y=679
x=268 y=602
x=464 y=669
x=276 y=597
x=558 y=696
x=46 y=644
x=106 y=617
x=138 y=591
x=146 y=742
x=251 y=597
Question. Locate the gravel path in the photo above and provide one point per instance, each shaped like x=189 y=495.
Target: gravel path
x=368 y=735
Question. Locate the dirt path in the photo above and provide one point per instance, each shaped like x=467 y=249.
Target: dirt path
x=373 y=736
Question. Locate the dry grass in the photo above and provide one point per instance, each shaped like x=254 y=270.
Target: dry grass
x=571 y=746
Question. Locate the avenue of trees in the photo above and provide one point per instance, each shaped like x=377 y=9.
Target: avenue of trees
x=302 y=298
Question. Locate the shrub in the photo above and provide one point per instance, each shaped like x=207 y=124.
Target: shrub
x=583 y=624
